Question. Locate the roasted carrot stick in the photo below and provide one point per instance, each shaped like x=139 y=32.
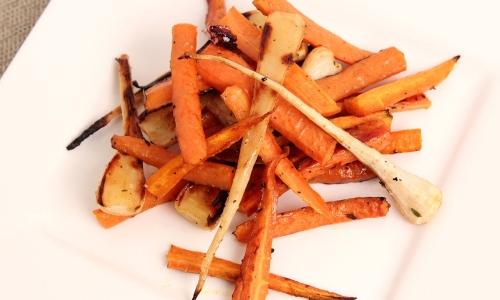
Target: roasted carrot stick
x=253 y=282
x=411 y=103
x=221 y=76
x=239 y=102
x=165 y=178
x=299 y=83
x=316 y=35
x=216 y=10
x=420 y=101
x=402 y=141
x=377 y=138
x=380 y=97
x=238 y=99
x=190 y=261
x=150 y=201
x=374 y=134
x=207 y=173
x=185 y=98
x=302 y=132
x=353 y=79
x=350 y=172
x=248 y=35
x=305 y=218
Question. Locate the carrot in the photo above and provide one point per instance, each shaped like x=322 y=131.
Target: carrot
x=161 y=181
x=364 y=73
x=404 y=141
x=207 y=173
x=299 y=83
x=221 y=76
x=190 y=261
x=248 y=35
x=350 y=172
x=239 y=102
x=305 y=218
x=411 y=103
x=316 y=35
x=238 y=99
x=380 y=97
x=377 y=137
x=216 y=10
x=420 y=101
x=253 y=282
x=374 y=134
x=390 y=143
x=302 y=132
x=347 y=122
x=108 y=220
x=187 y=110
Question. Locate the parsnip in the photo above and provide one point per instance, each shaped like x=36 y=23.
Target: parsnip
x=282 y=36
x=121 y=189
x=416 y=198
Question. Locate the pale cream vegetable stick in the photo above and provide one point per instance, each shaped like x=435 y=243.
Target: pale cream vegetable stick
x=282 y=36
x=416 y=198
x=121 y=189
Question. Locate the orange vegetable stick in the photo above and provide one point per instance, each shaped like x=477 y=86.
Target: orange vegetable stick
x=420 y=101
x=219 y=75
x=408 y=140
x=185 y=98
x=238 y=99
x=190 y=261
x=216 y=10
x=299 y=83
x=315 y=34
x=411 y=103
x=375 y=134
x=253 y=282
x=380 y=97
x=207 y=173
x=161 y=181
x=108 y=220
x=350 y=172
x=239 y=102
x=377 y=138
x=364 y=73
x=248 y=35
x=305 y=218
x=302 y=132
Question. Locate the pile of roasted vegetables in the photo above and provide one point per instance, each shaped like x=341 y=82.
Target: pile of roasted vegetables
x=272 y=102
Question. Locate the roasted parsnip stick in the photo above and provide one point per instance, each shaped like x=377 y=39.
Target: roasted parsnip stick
x=416 y=198
x=282 y=36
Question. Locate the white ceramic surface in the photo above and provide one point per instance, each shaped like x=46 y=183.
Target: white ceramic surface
x=64 y=78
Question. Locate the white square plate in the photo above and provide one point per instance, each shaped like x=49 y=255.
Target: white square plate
x=64 y=77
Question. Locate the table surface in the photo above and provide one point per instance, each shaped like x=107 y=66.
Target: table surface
x=17 y=18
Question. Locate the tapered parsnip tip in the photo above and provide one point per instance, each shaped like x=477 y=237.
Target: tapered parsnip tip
x=196 y=293
x=417 y=199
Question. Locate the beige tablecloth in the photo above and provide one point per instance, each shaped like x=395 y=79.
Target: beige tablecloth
x=17 y=18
